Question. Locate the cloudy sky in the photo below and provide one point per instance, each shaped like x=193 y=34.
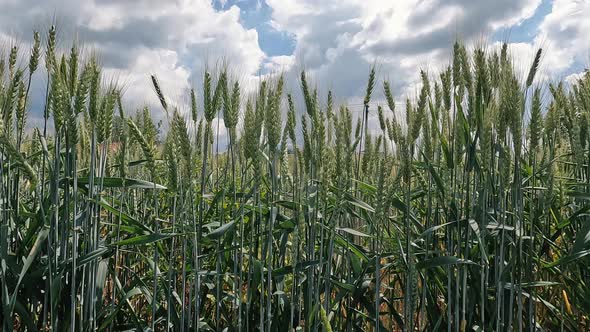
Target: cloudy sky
x=336 y=41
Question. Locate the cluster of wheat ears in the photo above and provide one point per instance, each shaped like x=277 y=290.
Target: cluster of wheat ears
x=466 y=211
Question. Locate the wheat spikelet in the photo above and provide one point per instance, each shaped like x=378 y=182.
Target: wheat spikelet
x=367 y=155
x=81 y=95
x=382 y=124
x=438 y=97
x=10 y=102
x=273 y=120
x=13 y=153
x=307 y=145
x=494 y=68
x=466 y=70
x=319 y=129
x=217 y=96
x=231 y=103
x=73 y=69
x=309 y=105
x=235 y=103
x=504 y=55
x=199 y=137
x=21 y=115
x=291 y=120
x=389 y=96
x=390 y=131
x=536 y=120
x=147 y=149
x=50 y=60
x=457 y=78
x=108 y=110
x=370 y=86
x=249 y=136
x=159 y=92
x=94 y=90
x=170 y=151
x=445 y=78
x=35 y=53
x=12 y=57
x=416 y=116
x=329 y=106
x=534 y=68
x=181 y=131
x=194 y=105
x=2 y=70
x=209 y=110
x=57 y=101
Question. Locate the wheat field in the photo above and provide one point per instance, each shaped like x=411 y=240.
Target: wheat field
x=465 y=210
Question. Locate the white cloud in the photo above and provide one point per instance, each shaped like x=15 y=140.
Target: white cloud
x=337 y=41
x=136 y=38
x=565 y=31
x=574 y=78
x=280 y=63
x=135 y=79
x=562 y=36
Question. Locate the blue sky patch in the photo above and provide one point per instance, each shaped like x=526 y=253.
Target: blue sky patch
x=256 y=14
x=527 y=30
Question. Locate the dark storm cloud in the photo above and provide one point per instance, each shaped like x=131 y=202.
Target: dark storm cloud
x=116 y=43
x=425 y=42
x=471 y=19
